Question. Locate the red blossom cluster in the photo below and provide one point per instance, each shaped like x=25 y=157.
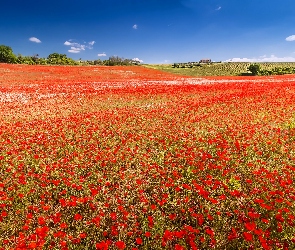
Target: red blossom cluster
x=133 y=158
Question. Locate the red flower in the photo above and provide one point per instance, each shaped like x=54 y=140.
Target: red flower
x=63 y=225
x=4 y=214
x=279 y=218
x=113 y=216
x=178 y=247
x=233 y=235
x=120 y=244
x=104 y=245
x=248 y=236
x=83 y=235
x=63 y=243
x=138 y=241
x=41 y=221
x=209 y=231
x=78 y=217
x=151 y=221
x=250 y=226
x=153 y=206
x=172 y=216
x=32 y=245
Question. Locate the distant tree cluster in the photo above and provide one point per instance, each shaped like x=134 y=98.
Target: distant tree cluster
x=193 y=64
x=112 y=61
x=256 y=70
x=7 y=56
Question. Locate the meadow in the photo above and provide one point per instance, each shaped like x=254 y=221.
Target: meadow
x=136 y=158
x=217 y=68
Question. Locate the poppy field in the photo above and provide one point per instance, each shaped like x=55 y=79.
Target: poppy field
x=135 y=158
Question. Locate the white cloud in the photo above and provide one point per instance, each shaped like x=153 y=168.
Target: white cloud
x=67 y=43
x=35 y=40
x=102 y=54
x=135 y=26
x=137 y=60
x=73 y=51
x=264 y=58
x=290 y=38
x=218 y=8
x=77 y=47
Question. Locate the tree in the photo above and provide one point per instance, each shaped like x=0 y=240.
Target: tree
x=6 y=54
x=116 y=60
x=56 y=58
x=255 y=69
x=61 y=59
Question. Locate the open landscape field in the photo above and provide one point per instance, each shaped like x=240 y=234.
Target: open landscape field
x=217 y=69
x=135 y=158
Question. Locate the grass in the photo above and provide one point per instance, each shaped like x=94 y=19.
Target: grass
x=217 y=69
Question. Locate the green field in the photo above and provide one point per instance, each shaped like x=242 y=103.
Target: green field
x=217 y=69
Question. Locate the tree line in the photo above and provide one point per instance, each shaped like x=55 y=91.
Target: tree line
x=256 y=70
x=7 y=56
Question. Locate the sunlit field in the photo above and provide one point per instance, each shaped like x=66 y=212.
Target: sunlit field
x=135 y=158
x=219 y=68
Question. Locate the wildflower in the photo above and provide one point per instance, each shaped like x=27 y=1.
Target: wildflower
x=78 y=217
x=63 y=225
x=209 y=231
x=178 y=247
x=248 y=236
x=103 y=245
x=138 y=241
x=120 y=245
x=250 y=226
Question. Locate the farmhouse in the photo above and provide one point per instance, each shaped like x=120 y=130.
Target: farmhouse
x=205 y=61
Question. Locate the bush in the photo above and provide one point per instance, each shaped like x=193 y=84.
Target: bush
x=255 y=69
x=6 y=54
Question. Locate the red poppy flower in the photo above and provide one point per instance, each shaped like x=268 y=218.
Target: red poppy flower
x=138 y=241
x=120 y=245
x=248 y=236
x=78 y=217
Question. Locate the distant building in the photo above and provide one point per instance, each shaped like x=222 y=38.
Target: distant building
x=205 y=61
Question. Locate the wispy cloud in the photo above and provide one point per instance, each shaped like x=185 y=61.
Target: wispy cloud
x=218 y=8
x=264 y=58
x=137 y=60
x=290 y=38
x=102 y=54
x=67 y=43
x=135 y=27
x=73 y=51
x=76 y=47
x=34 y=39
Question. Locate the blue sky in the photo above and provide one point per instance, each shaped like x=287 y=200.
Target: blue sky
x=154 y=31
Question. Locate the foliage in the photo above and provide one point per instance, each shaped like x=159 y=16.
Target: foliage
x=224 y=68
x=134 y=158
x=278 y=71
x=30 y=60
x=115 y=60
x=60 y=59
x=6 y=54
x=254 y=69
